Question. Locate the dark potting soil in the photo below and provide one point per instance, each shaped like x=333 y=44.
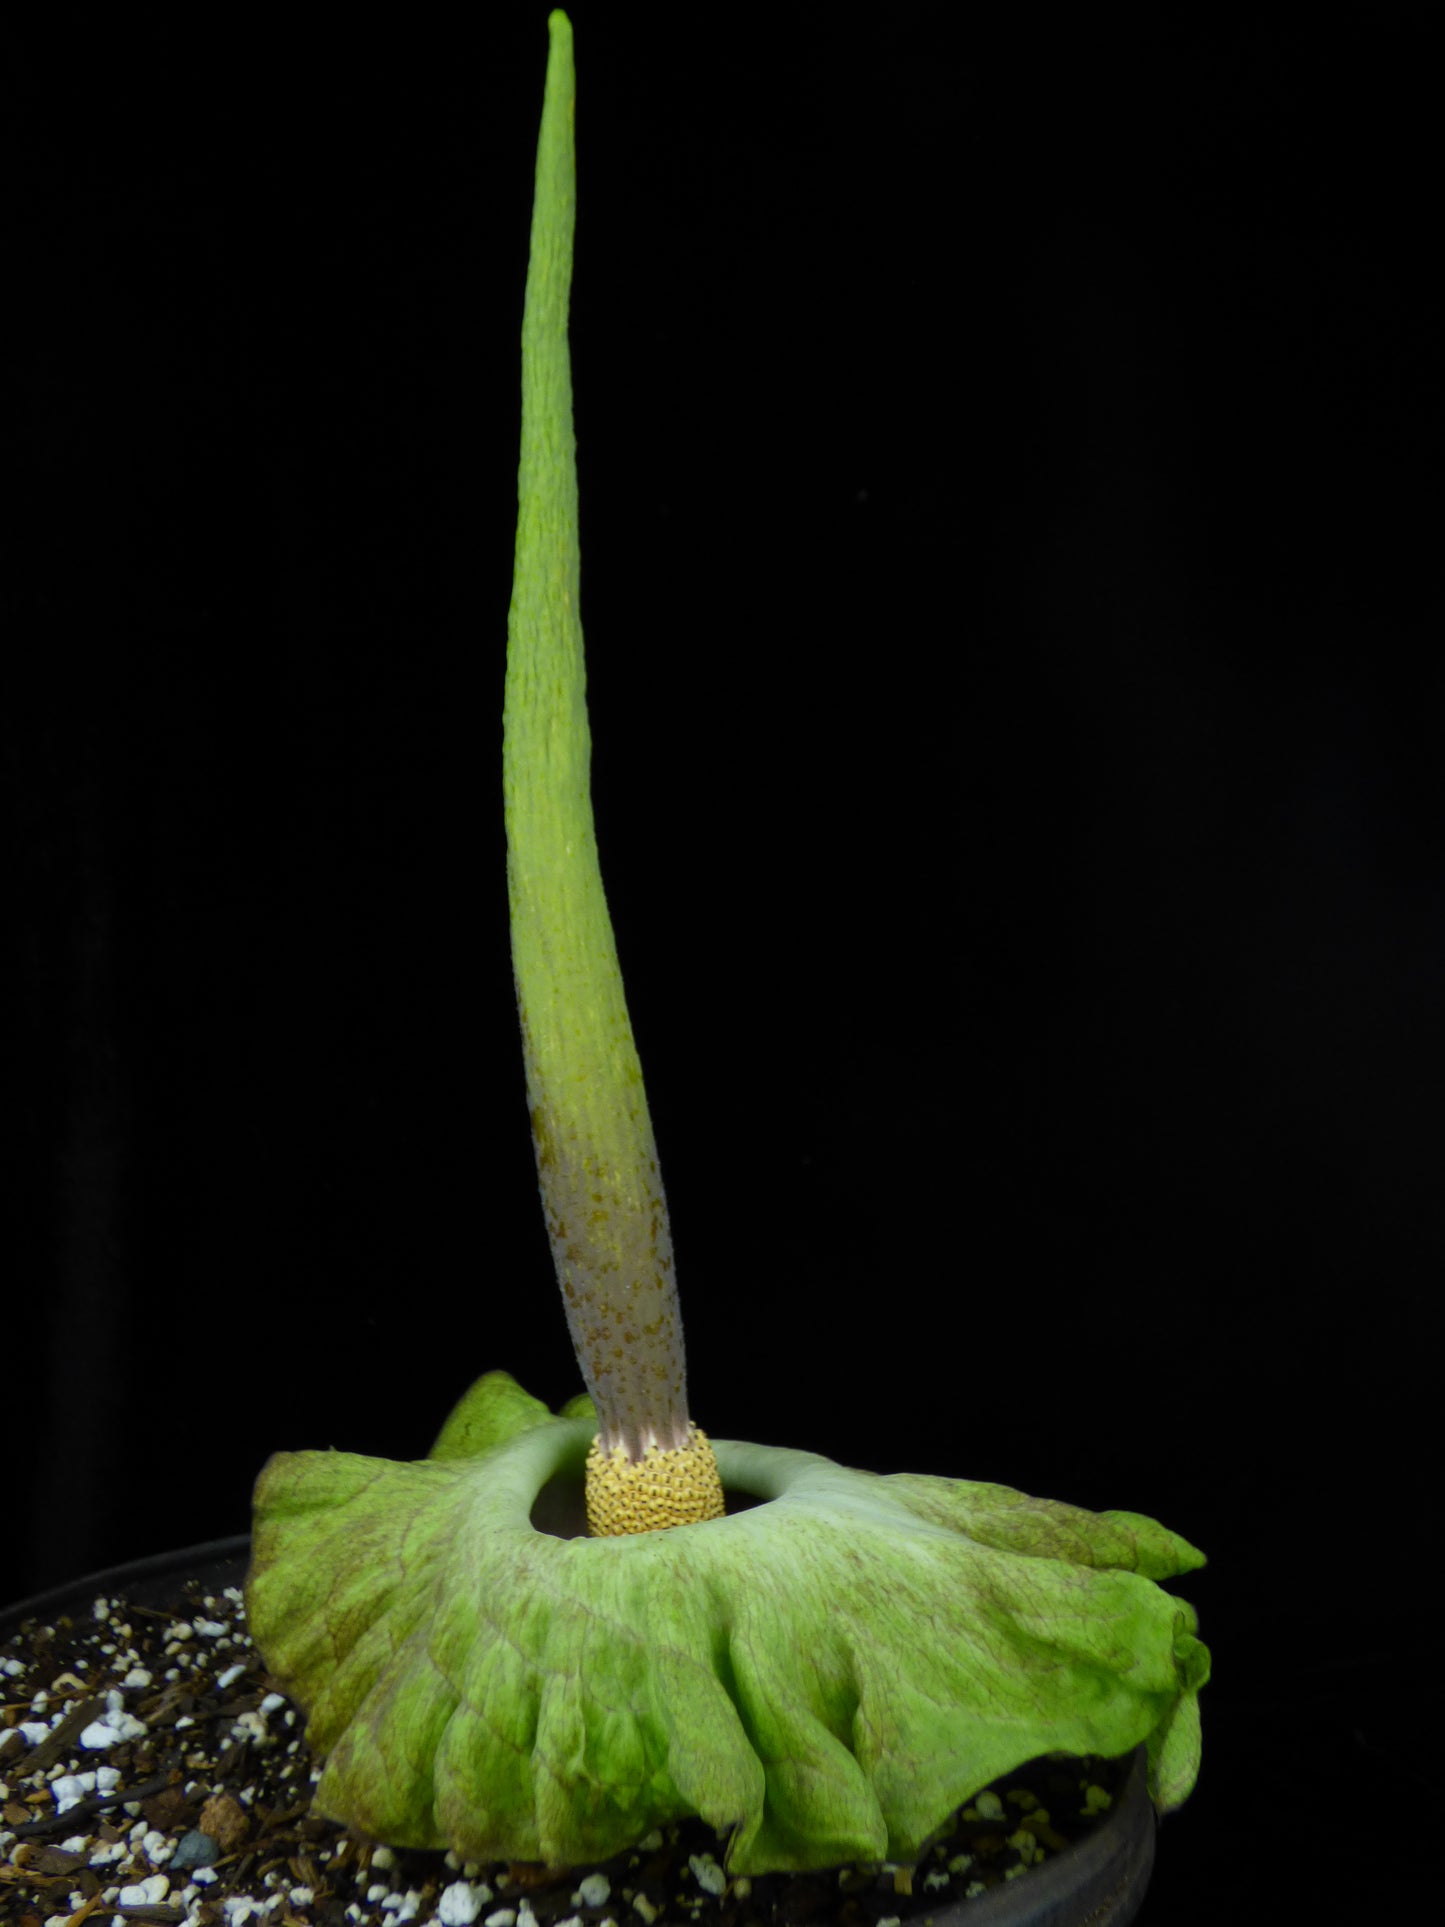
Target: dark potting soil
x=150 y=1771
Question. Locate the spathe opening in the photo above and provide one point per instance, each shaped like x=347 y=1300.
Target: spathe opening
x=560 y=1508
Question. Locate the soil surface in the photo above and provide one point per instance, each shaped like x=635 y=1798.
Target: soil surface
x=150 y=1771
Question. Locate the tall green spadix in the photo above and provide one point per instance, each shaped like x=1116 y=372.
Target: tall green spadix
x=596 y=1159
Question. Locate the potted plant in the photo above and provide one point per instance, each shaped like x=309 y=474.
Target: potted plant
x=823 y=1675
x=562 y=1632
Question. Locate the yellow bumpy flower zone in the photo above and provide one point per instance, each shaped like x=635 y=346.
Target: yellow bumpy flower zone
x=680 y=1487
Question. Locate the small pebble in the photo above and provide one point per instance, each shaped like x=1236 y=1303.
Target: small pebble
x=707 y=1873
x=195 y=1849
x=147 y=1893
x=460 y=1903
x=69 y=1789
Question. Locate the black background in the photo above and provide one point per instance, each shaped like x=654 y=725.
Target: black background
x=1008 y=468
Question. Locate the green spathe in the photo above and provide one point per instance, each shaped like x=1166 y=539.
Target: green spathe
x=825 y=1676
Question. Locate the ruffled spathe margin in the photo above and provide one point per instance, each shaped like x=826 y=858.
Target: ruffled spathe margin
x=824 y=1676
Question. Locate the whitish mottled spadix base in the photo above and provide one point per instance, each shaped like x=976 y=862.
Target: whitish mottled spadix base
x=480 y=1685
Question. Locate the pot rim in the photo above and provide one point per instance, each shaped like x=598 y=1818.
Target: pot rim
x=180 y=1560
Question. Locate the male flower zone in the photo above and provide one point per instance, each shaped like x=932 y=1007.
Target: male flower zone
x=822 y=1663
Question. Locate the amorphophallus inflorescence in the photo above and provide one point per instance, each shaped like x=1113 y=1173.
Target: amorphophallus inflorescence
x=596 y=1159
x=823 y=1670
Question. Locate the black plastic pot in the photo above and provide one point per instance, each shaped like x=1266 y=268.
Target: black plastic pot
x=1097 y=1882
